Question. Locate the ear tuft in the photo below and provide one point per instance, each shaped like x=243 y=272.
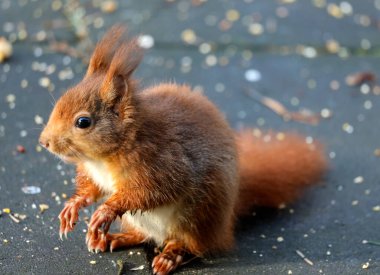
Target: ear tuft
x=106 y=48
x=124 y=62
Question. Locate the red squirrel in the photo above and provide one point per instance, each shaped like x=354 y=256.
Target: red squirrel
x=165 y=161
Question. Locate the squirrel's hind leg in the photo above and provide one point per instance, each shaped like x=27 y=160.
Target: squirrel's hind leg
x=114 y=241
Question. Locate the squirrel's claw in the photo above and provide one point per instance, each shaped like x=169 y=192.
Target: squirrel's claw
x=103 y=217
x=69 y=216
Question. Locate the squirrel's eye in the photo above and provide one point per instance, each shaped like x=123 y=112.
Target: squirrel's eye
x=83 y=122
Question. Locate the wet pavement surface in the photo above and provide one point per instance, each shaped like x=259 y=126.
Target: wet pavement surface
x=298 y=53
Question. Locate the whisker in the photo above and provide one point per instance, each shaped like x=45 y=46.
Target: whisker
x=35 y=128
x=52 y=96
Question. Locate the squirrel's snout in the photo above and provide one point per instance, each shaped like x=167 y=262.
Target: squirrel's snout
x=44 y=142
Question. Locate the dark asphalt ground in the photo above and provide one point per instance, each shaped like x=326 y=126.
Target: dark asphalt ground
x=300 y=53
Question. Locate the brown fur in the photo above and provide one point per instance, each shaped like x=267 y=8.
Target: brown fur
x=165 y=145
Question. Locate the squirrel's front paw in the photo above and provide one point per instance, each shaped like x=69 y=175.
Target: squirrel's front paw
x=101 y=220
x=96 y=242
x=69 y=215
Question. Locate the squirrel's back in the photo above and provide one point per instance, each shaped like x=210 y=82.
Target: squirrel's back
x=189 y=118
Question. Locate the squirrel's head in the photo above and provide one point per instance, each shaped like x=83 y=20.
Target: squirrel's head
x=95 y=118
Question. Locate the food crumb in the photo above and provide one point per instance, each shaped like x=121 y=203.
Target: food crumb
x=358 y=180
x=366 y=265
x=43 y=207
x=5 y=49
x=7 y=210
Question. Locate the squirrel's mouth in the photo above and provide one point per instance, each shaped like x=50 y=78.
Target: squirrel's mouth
x=68 y=158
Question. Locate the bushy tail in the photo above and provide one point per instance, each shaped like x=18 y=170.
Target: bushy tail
x=275 y=168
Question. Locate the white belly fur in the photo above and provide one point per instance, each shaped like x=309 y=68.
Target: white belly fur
x=154 y=224
x=100 y=176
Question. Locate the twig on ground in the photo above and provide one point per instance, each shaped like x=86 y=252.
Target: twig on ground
x=304 y=116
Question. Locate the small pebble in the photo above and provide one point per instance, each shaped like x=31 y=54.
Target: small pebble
x=358 y=180
x=146 y=41
x=31 y=190
x=252 y=75
x=20 y=149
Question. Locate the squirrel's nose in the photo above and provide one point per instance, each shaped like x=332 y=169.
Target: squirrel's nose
x=44 y=142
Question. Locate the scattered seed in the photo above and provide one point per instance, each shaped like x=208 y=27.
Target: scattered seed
x=358 y=180
x=189 y=36
x=299 y=253
x=7 y=210
x=43 y=207
x=141 y=267
x=326 y=113
x=14 y=218
x=348 y=128
x=5 y=49
x=109 y=6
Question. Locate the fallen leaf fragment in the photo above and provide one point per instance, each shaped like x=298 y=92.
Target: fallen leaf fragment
x=356 y=79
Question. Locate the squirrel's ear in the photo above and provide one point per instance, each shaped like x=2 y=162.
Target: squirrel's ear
x=106 y=48
x=123 y=64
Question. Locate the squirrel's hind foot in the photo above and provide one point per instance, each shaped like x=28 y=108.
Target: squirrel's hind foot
x=169 y=259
